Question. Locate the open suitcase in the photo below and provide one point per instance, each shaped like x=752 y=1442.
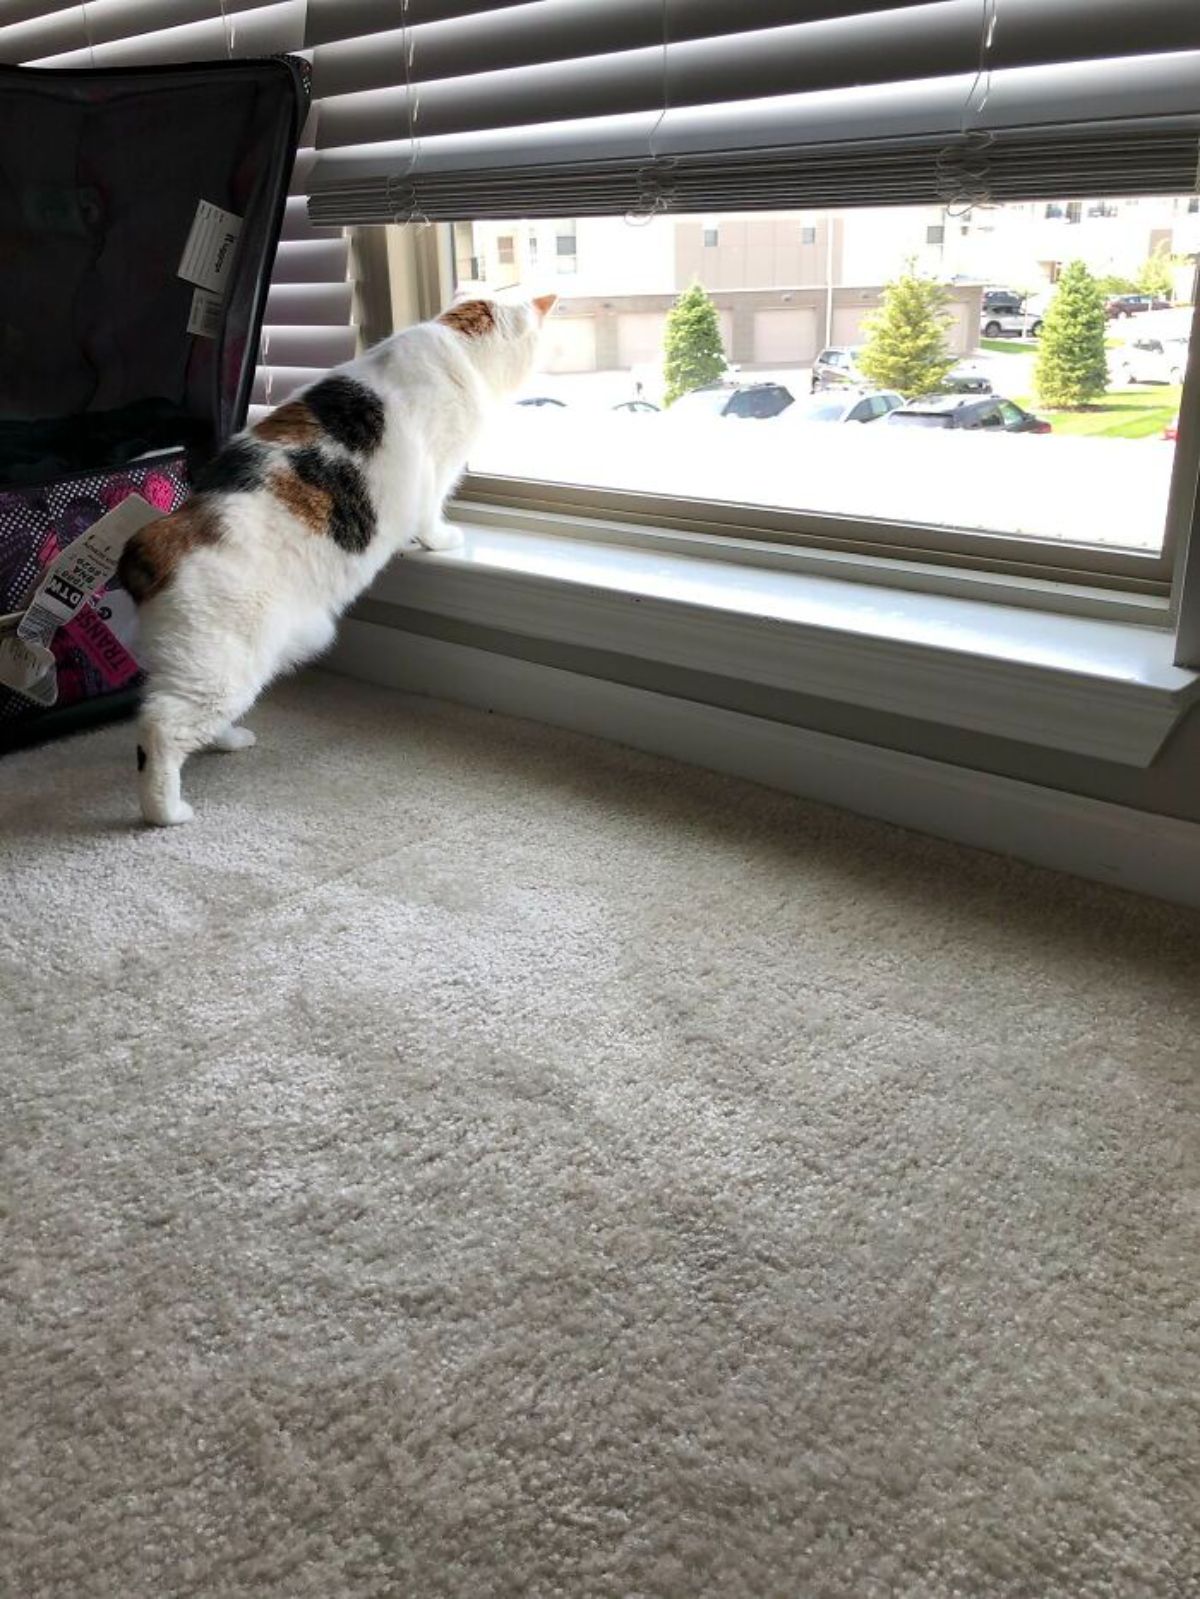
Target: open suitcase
x=119 y=375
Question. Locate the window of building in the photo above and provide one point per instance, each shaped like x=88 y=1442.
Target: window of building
x=808 y=235
x=935 y=234
x=506 y=249
x=712 y=238
x=1074 y=211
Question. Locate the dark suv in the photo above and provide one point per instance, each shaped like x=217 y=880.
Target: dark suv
x=754 y=400
x=964 y=411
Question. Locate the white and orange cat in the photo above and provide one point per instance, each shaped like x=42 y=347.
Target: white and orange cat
x=296 y=515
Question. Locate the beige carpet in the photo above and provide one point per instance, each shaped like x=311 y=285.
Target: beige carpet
x=476 y=1161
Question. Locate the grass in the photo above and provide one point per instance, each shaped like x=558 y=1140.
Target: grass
x=1121 y=414
x=1008 y=346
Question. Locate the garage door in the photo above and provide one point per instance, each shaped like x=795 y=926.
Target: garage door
x=640 y=337
x=785 y=338
x=848 y=324
x=569 y=345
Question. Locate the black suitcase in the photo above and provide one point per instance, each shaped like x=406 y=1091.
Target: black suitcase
x=119 y=375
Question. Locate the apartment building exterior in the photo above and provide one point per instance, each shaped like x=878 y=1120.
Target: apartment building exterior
x=787 y=284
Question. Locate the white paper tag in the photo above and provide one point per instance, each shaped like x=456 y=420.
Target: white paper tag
x=204 y=320
x=25 y=667
x=67 y=584
x=210 y=249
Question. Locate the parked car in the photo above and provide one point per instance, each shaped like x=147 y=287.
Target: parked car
x=756 y=401
x=543 y=399
x=965 y=380
x=844 y=405
x=1149 y=361
x=992 y=414
x=837 y=366
x=1134 y=304
x=638 y=407
x=1023 y=323
x=1171 y=431
x=1003 y=302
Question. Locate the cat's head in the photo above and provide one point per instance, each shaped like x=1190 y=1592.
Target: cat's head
x=500 y=336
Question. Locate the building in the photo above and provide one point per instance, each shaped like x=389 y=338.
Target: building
x=786 y=284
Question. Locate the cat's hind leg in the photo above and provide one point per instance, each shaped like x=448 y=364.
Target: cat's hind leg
x=172 y=727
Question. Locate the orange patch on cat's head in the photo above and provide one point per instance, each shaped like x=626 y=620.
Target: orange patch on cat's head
x=543 y=304
x=472 y=318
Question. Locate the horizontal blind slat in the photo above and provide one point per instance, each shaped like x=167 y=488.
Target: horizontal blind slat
x=58 y=31
x=312 y=261
x=310 y=304
x=267 y=30
x=924 y=41
x=284 y=345
x=329 y=20
x=561 y=31
x=273 y=384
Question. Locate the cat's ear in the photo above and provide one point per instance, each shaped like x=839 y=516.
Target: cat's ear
x=543 y=304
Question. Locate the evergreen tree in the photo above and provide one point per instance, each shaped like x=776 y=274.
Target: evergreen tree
x=1157 y=276
x=1072 y=367
x=906 y=338
x=693 y=353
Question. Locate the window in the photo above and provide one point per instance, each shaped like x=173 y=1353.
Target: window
x=936 y=234
x=532 y=248
x=506 y=249
x=808 y=235
x=712 y=238
x=1098 y=478
x=566 y=249
x=751 y=122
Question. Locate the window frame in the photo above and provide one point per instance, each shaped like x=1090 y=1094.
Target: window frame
x=1160 y=588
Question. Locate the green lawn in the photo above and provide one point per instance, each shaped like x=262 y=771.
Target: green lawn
x=1007 y=346
x=1122 y=414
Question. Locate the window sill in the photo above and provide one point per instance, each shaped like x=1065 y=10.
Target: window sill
x=1096 y=687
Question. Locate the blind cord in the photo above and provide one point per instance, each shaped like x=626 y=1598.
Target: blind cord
x=656 y=191
x=402 y=197
x=962 y=172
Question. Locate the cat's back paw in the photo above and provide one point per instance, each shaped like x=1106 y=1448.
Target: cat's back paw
x=234 y=738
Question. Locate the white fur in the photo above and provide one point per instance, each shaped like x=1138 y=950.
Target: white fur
x=267 y=596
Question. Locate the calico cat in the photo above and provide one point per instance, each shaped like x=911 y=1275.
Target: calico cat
x=292 y=520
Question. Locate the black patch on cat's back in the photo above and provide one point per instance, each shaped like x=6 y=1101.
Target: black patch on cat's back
x=350 y=412
x=351 y=513
x=240 y=468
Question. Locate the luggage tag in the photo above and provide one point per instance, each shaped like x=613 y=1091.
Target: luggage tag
x=68 y=583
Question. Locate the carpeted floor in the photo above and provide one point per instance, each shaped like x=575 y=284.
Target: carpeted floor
x=475 y=1161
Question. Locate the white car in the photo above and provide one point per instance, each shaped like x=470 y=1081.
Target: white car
x=1149 y=361
x=842 y=405
x=1026 y=324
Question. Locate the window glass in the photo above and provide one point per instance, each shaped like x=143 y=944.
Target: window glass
x=781 y=322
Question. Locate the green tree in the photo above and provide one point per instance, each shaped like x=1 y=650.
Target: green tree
x=1072 y=368
x=906 y=338
x=1112 y=284
x=693 y=354
x=1157 y=276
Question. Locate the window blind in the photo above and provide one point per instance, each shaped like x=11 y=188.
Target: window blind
x=449 y=109
x=308 y=325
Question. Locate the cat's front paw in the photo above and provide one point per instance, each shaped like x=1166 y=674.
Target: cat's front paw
x=441 y=536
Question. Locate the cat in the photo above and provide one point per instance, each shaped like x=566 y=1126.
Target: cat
x=296 y=515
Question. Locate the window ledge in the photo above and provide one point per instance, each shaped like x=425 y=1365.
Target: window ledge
x=1094 y=687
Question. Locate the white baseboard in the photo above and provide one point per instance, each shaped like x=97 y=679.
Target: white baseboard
x=1068 y=832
